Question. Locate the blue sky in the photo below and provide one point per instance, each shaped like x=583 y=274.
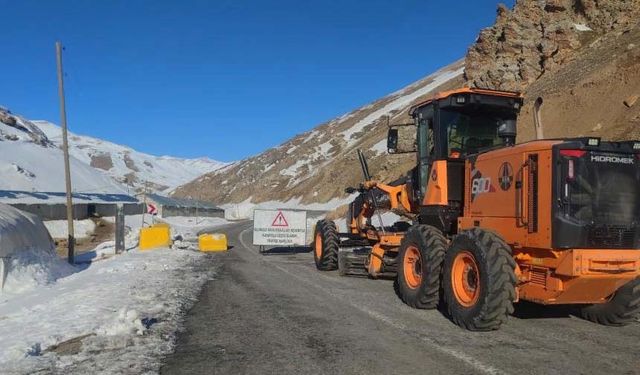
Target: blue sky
x=222 y=78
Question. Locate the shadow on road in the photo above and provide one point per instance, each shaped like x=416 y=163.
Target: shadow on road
x=529 y=310
x=286 y=250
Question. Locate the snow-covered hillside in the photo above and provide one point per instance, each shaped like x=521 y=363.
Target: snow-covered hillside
x=316 y=166
x=129 y=166
x=31 y=161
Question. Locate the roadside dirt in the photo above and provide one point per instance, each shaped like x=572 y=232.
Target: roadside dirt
x=105 y=231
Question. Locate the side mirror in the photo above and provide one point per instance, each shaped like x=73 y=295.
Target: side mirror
x=507 y=131
x=350 y=190
x=392 y=141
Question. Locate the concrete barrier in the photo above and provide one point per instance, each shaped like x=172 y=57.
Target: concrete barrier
x=155 y=237
x=212 y=242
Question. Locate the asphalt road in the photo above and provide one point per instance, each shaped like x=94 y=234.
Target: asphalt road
x=275 y=314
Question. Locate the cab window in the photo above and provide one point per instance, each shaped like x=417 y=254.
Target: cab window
x=470 y=134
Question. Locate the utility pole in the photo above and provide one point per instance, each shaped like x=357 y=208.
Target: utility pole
x=196 y=212
x=144 y=205
x=65 y=149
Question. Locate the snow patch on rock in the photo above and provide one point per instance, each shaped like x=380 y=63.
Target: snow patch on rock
x=582 y=27
x=380 y=147
x=438 y=78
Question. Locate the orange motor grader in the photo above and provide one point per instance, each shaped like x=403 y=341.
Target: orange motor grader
x=552 y=221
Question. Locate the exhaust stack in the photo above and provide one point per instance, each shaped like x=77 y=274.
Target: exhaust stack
x=536 y=118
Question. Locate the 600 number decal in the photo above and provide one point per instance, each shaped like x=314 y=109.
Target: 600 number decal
x=481 y=185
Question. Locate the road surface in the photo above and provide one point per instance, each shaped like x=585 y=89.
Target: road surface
x=275 y=314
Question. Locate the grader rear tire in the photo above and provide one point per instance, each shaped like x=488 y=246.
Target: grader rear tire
x=479 y=280
x=623 y=308
x=325 y=245
x=419 y=265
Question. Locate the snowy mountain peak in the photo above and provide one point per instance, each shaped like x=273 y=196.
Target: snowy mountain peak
x=31 y=160
x=131 y=167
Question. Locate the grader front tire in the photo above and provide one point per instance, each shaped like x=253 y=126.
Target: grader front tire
x=325 y=246
x=419 y=265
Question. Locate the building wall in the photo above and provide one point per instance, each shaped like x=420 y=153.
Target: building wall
x=81 y=211
x=168 y=211
x=109 y=209
x=56 y=211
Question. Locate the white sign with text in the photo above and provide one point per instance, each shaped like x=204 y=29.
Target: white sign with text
x=279 y=227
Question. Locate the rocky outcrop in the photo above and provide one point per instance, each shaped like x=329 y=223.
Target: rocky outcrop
x=101 y=161
x=539 y=36
x=129 y=163
x=593 y=95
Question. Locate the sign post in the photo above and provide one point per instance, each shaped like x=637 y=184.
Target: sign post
x=119 y=228
x=279 y=228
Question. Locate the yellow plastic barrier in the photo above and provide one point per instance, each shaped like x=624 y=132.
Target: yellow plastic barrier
x=155 y=236
x=212 y=242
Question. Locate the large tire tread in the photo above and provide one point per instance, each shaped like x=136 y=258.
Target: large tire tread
x=432 y=245
x=622 y=309
x=496 y=299
x=328 y=261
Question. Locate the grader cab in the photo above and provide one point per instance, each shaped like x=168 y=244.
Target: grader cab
x=552 y=221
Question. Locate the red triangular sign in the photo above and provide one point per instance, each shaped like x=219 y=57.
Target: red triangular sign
x=280 y=221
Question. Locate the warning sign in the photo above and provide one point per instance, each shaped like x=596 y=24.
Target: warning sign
x=279 y=227
x=152 y=209
x=280 y=220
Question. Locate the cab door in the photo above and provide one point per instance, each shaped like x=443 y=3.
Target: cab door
x=534 y=208
x=425 y=144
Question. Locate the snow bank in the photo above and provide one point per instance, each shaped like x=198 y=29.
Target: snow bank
x=125 y=309
x=21 y=231
x=33 y=268
x=81 y=228
x=28 y=252
x=122 y=311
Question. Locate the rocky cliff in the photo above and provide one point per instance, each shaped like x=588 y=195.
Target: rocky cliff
x=537 y=37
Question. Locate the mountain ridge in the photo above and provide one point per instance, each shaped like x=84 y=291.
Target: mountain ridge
x=299 y=167
x=32 y=161
x=529 y=48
